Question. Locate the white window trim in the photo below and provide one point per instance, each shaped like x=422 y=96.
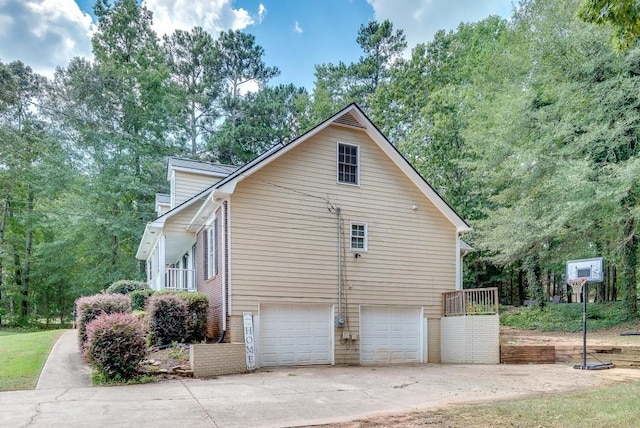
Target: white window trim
x=212 y=247
x=366 y=236
x=172 y=191
x=358 y=165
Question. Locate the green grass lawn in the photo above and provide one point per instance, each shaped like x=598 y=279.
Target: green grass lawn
x=22 y=356
x=613 y=407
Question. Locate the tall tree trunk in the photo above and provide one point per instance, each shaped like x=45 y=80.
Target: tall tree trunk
x=3 y=222
x=614 y=286
x=521 y=292
x=629 y=266
x=17 y=265
x=27 y=259
x=194 y=132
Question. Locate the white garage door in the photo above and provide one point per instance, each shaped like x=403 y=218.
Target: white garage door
x=295 y=335
x=390 y=334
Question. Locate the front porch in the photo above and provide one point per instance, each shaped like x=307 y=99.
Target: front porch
x=171 y=263
x=176 y=279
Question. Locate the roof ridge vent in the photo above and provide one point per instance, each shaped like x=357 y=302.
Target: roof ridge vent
x=348 y=120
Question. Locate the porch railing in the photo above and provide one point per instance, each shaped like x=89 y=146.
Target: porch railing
x=180 y=279
x=475 y=301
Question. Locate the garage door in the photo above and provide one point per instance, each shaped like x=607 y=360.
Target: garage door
x=295 y=335
x=390 y=334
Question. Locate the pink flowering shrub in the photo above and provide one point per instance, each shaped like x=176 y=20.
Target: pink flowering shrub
x=91 y=307
x=116 y=344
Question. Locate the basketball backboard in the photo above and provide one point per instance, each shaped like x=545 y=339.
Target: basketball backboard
x=591 y=269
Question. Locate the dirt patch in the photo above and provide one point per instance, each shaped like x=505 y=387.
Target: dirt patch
x=433 y=419
x=607 y=337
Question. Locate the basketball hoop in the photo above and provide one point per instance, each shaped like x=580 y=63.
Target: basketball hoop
x=576 y=284
x=579 y=287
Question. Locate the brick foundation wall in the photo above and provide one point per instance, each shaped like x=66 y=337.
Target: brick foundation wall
x=217 y=359
x=470 y=339
x=235 y=329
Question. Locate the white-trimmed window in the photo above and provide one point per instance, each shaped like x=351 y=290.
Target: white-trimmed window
x=172 y=191
x=348 y=164
x=212 y=248
x=358 y=236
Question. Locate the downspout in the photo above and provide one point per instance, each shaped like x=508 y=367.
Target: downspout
x=340 y=318
x=224 y=271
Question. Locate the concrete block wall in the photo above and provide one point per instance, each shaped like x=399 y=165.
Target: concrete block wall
x=470 y=339
x=217 y=359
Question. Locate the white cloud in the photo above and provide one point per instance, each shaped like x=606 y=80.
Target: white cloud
x=43 y=33
x=297 y=28
x=212 y=15
x=262 y=11
x=421 y=19
x=249 y=86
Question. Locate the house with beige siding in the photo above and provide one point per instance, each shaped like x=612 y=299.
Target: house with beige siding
x=333 y=243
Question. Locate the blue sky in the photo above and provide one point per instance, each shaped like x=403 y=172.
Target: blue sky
x=295 y=34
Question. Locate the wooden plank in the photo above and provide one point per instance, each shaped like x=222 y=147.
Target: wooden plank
x=539 y=354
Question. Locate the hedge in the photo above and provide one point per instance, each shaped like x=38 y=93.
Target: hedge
x=91 y=307
x=139 y=299
x=116 y=345
x=197 y=308
x=167 y=319
x=126 y=286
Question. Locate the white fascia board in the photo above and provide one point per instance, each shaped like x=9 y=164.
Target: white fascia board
x=227 y=188
x=202 y=215
x=152 y=232
x=411 y=173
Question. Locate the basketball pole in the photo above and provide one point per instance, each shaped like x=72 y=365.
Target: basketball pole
x=585 y=295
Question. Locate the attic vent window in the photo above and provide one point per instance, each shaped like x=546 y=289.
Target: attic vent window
x=349 y=120
x=348 y=164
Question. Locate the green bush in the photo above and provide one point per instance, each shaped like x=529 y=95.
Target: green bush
x=91 y=307
x=563 y=316
x=116 y=345
x=139 y=299
x=197 y=308
x=167 y=319
x=126 y=286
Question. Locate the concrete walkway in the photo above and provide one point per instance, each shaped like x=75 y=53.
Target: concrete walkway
x=65 y=368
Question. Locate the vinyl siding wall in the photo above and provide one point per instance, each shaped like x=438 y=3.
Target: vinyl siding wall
x=284 y=237
x=189 y=184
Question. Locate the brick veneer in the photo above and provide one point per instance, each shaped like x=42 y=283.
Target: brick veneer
x=217 y=359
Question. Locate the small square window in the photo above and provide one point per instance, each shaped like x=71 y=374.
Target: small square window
x=358 y=237
x=348 y=164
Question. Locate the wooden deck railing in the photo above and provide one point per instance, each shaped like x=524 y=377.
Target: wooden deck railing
x=475 y=301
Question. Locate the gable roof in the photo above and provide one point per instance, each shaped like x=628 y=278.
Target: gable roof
x=351 y=116
x=189 y=165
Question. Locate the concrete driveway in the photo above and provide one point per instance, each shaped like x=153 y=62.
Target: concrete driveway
x=292 y=396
